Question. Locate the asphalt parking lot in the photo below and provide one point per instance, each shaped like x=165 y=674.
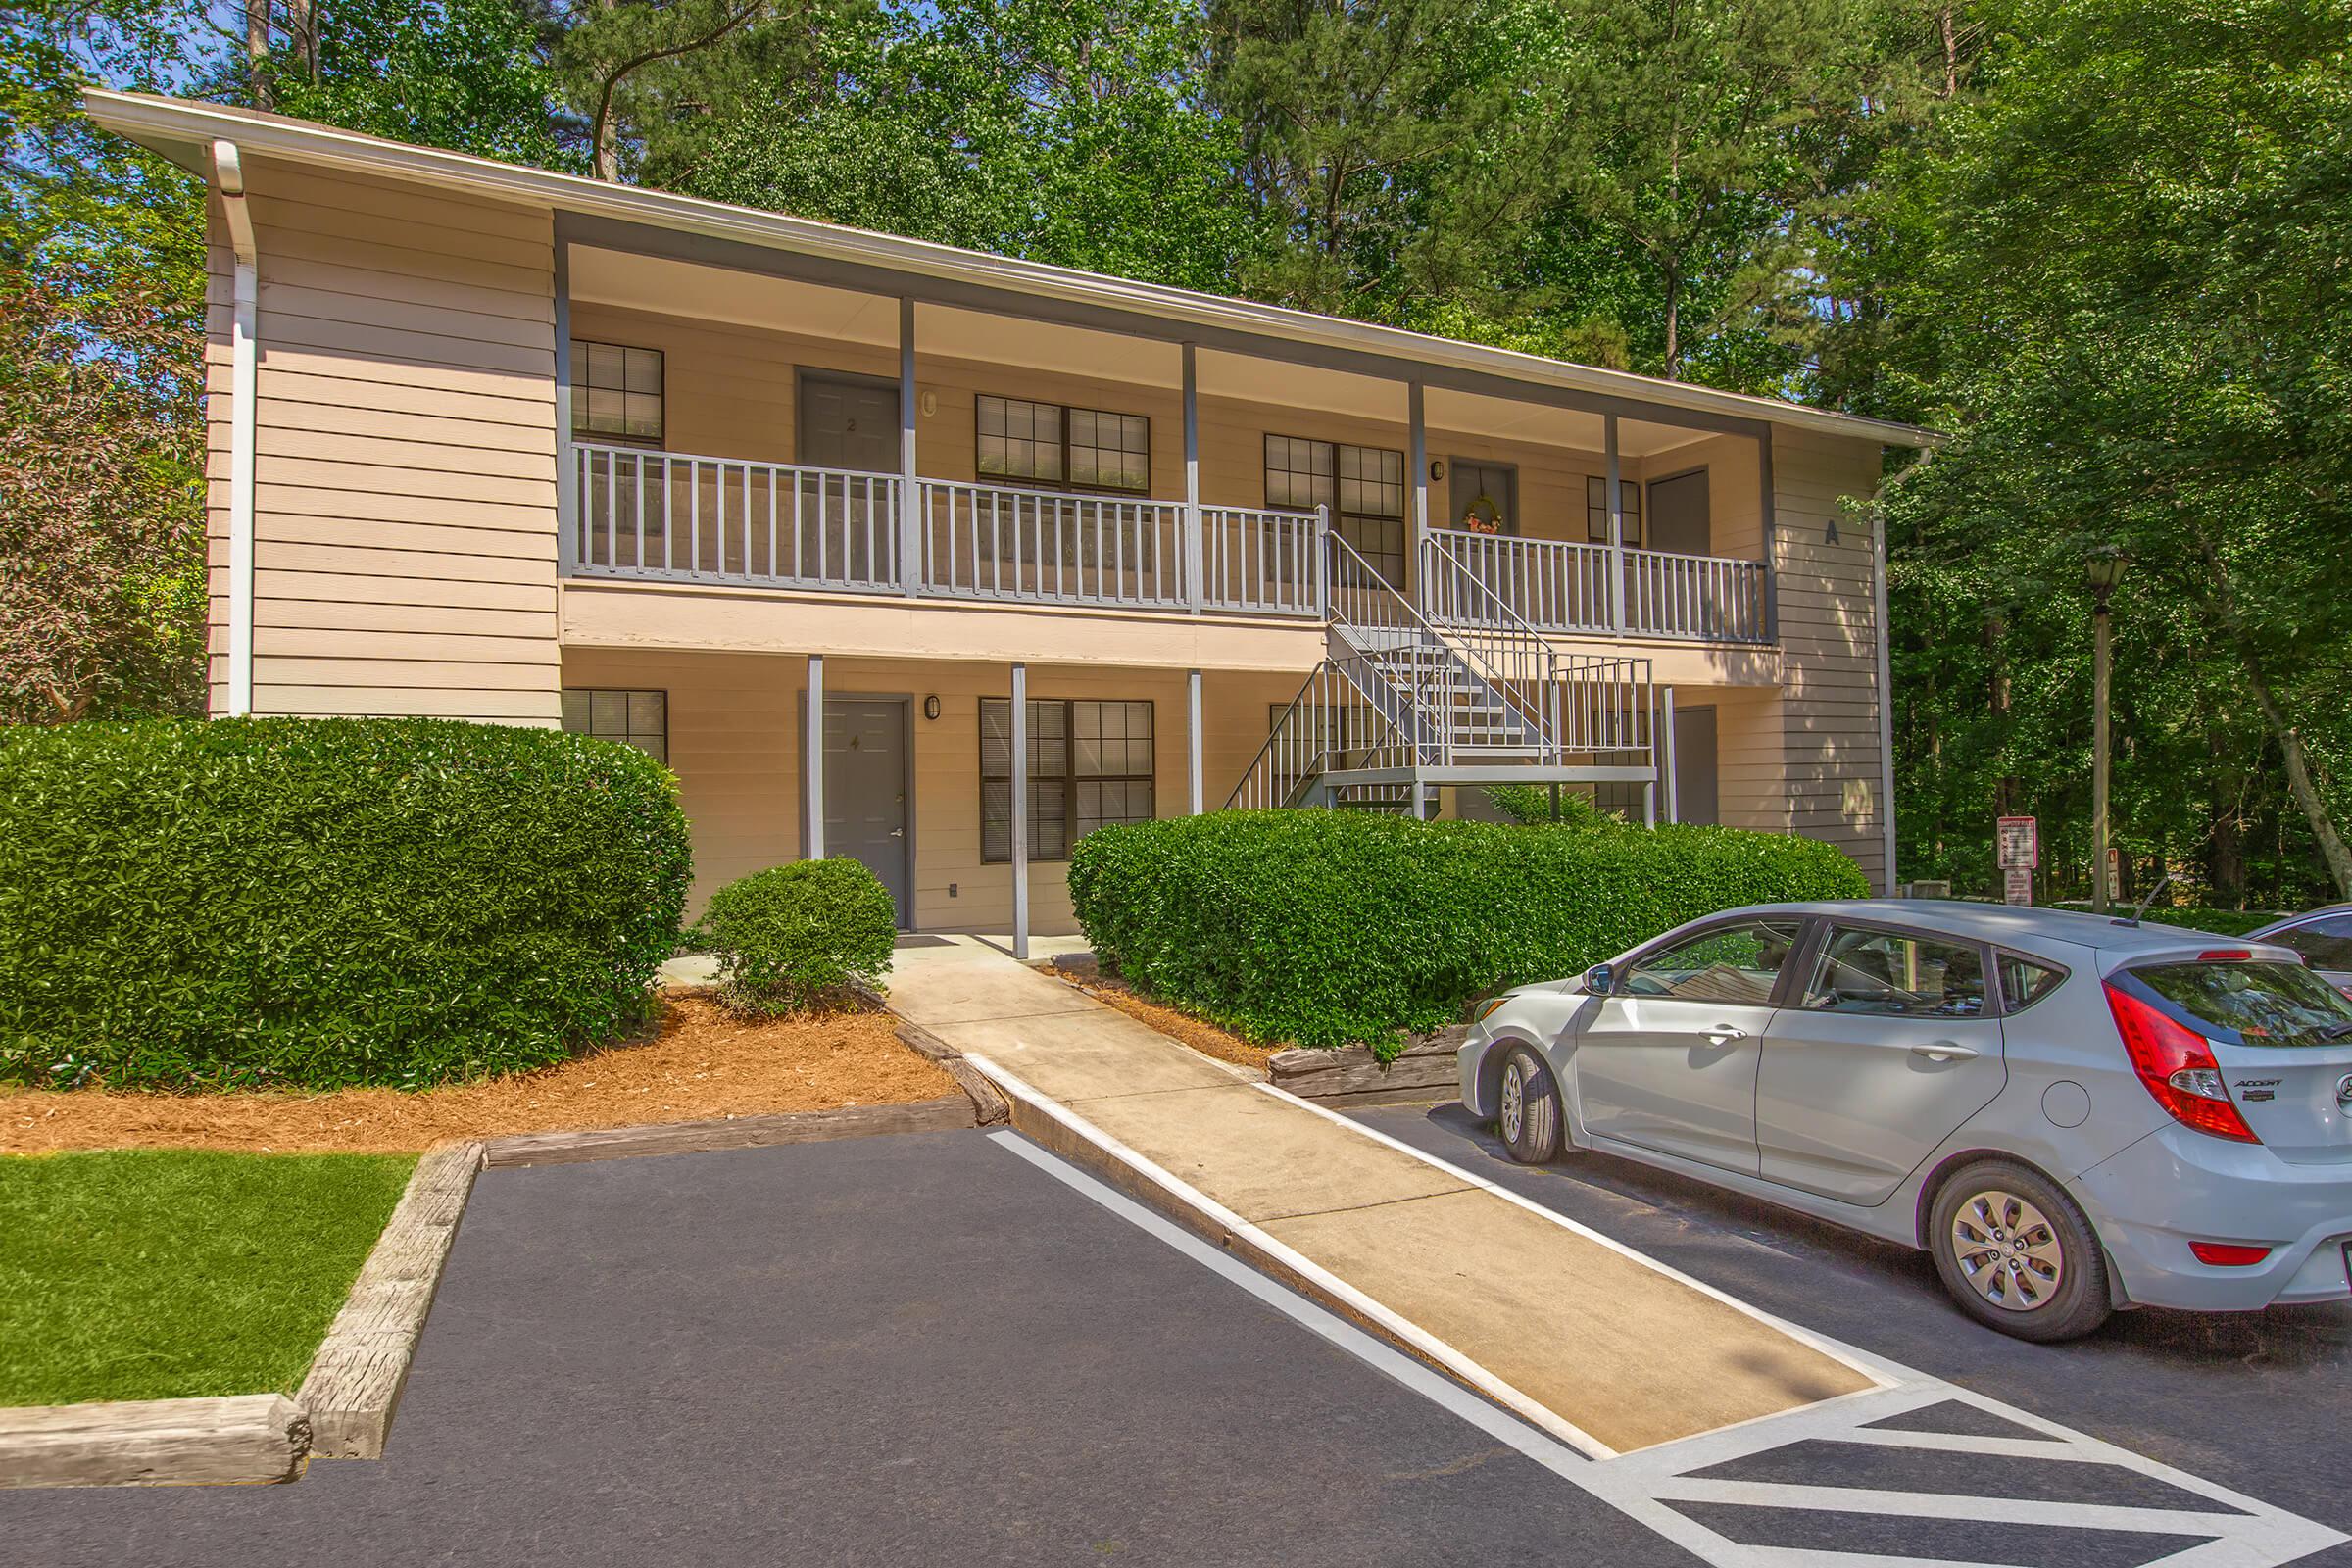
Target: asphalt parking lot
x=888 y=1350
x=941 y=1349
x=2257 y=1402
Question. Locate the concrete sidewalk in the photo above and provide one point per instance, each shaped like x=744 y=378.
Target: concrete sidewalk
x=1599 y=1345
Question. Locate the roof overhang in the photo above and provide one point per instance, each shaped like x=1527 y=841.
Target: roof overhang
x=598 y=212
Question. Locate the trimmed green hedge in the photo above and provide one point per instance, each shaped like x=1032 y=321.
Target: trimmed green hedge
x=787 y=936
x=1332 y=927
x=243 y=903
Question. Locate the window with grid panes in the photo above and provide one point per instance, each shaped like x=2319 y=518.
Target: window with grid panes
x=1364 y=486
x=617 y=391
x=1047 y=444
x=633 y=718
x=1596 y=510
x=1090 y=762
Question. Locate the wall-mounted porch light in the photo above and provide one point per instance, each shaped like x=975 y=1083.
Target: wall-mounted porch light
x=930 y=708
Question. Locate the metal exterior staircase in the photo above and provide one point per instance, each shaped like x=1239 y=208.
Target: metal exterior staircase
x=1398 y=705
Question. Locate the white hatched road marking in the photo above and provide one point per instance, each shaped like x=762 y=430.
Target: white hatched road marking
x=2241 y=1532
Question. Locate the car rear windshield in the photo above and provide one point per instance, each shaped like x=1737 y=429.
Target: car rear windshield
x=2262 y=1004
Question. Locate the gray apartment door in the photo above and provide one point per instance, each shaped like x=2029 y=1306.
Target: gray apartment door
x=848 y=422
x=1677 y=514
x=1490 y=490
x=1695 y=797
x=866 y=791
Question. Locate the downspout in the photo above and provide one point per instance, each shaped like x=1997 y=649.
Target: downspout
x=228 y=176
x=1885 y=692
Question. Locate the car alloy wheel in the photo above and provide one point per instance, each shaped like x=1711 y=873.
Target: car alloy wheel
x=1527 y=1110
x=2008 y=1250
x=2017 y=1253
x=1514 y=1100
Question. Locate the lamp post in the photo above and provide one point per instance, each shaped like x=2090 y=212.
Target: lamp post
x=2103 y=568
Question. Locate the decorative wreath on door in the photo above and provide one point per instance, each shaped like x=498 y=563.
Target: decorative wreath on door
x=1475 y=520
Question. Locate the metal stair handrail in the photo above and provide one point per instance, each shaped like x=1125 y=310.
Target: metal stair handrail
x=1511 y=654
x=1300 y=744
x=1497 y=664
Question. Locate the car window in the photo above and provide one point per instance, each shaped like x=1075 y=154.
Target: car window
x=2262 y=1004
x=2327 y=942
x=2024 y=982
x=1739 y=962
x=1889 y=974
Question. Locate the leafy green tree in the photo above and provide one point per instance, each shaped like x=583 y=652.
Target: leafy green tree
x=2127 y=296
x=1071 y=134
x=101 y=436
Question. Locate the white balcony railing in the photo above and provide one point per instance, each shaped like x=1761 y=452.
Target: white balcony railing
x=669 y=516
x=985 y=541
x=676 y=516
x=679 y=517
x=1559 y=585
x=1270 y=562
x=1703 y=597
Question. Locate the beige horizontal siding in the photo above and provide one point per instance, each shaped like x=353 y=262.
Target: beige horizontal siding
x=1833 y=764
x=405 y=555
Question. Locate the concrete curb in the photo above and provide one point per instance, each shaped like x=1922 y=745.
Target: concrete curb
x=252 y=1439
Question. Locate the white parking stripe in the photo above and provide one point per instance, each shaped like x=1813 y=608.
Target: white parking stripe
x=1641 y=1485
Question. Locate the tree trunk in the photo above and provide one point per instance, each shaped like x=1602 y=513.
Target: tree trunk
x=2331 y=841
x=1674 y=301
x=302 y=27
x=2225 y=843
x=257 y=51
x=2298 y=770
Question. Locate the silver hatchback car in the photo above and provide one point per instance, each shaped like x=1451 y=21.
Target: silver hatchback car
x=2072 y=1113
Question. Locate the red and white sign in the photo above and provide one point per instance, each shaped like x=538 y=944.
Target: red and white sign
x=2020 y=844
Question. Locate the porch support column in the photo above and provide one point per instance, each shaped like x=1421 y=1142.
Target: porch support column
x=1194 y=557
x=1616 y=506
x=1417 y=441
x=244 y=388
x=1674 y=805
x=1021 y=812
x=911 y=525
x=812 y=762
x=1772 y=577
x=1195 y=794
x=567 y=479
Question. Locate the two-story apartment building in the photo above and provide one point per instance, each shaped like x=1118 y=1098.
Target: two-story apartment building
x=840 y=526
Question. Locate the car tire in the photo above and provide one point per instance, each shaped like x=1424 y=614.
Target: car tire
x=1527 y=1107
x=2018 y=1253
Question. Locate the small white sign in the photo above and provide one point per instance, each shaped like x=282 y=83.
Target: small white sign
x=2018 y=884
x=2020 y=843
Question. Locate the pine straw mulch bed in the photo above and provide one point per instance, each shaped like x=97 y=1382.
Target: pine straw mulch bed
x=694 y=1062
x=1210 y=1040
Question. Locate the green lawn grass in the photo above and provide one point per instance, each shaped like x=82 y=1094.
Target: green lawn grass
x=155 y=1274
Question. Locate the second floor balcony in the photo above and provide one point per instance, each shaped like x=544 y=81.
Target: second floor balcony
x=643 y=514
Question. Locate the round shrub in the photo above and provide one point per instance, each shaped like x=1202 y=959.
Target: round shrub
x=786 y=937
x=1329 y=928
x=325 y=903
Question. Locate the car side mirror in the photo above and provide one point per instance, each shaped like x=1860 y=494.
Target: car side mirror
x=1601 y=980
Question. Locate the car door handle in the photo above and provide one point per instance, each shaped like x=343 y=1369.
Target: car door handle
x=1725 y=1031
x=1945 y=1050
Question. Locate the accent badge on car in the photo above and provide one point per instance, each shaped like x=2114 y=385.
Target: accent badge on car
x=2343 y=1092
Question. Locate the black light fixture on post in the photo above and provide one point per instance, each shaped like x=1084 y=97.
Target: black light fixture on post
x=2103 y=568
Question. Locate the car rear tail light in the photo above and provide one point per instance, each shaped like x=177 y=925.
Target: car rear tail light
x=2226 y=956
x=2227 y=1254
x=2177 y=1065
